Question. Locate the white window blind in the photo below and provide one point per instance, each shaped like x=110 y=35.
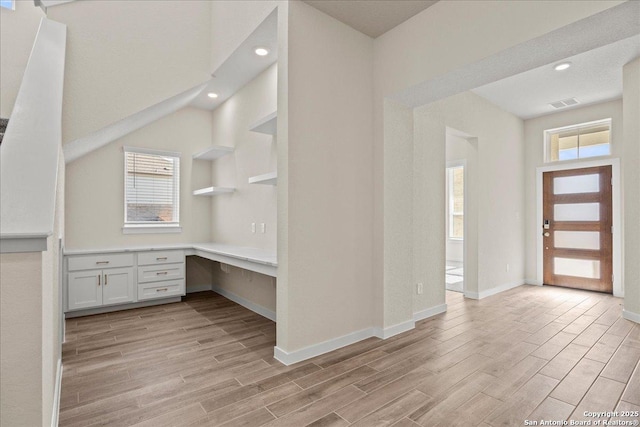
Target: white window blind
x=151 y=188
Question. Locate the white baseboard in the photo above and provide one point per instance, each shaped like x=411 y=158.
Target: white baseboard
x=352 y=338
x=56 y=395
x=321 y=348
x=492 y=291
x=630 y=315
x=199 y=288
x=429 y=312
x=534 y=282
x=390 y=331
x=262 y=311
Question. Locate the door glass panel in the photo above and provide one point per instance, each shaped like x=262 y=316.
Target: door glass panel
x=577 y=239
x=587 y=268
x=576 y=184
x=576 y=212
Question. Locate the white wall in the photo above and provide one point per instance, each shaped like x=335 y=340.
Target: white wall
x=495 y=208
x=328 y=181
x=233 y=214
x=18 y=30
x=254 y=154
x=21 y=340
x=125 y=56
x=397 y=307
x=631 y=184
x=95 y=185
x=534 y=157
x=30 y=328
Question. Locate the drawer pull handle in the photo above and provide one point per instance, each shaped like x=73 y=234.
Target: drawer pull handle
x=102 y=262
x=162 y=273
x=162 y=258
x=162 y=289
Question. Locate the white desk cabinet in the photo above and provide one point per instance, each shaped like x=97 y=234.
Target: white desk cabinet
x=95 y=288
x=98 y=280
x=160 y=274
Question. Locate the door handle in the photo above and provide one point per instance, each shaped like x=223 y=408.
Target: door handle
x=98 y=280
x=105 y=279
x=546 y=234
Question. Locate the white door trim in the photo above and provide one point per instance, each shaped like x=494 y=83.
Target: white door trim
x=618 y=285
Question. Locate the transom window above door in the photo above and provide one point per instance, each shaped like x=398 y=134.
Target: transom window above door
x=580 y=141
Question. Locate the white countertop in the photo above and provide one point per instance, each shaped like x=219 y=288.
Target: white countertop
x=240 y=252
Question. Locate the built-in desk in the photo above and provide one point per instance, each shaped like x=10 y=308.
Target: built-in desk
x=100 y=280
x=252 y=259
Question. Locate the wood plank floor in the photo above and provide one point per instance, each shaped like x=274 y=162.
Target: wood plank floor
x=528 y=353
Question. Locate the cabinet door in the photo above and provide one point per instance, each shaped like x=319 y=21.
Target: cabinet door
x=85 y=289
x=118 y=286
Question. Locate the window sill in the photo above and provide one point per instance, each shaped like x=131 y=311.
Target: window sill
x=151 y=229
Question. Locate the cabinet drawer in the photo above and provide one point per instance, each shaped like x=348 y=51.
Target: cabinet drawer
x=88 y=262
x=155 y=290
x=155 y=273
x=160 y=257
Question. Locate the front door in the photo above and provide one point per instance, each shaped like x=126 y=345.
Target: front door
x=577 y=229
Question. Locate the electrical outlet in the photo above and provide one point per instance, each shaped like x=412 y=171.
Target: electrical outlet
x=507 y=268
x=263 y=227
x=253 y=227
x=419 y=289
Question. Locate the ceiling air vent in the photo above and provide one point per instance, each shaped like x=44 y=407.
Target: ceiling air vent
x=564 y=103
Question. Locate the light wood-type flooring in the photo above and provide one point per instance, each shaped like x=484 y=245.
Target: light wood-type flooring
x=537 y=353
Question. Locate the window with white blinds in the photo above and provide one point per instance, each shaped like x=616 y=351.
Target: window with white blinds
x=152 y=187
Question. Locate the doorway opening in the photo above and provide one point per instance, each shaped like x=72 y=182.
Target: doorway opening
x=454 y=268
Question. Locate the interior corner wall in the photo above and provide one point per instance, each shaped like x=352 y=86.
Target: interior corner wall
x=631 y=188
x=18 y=30
x=534 y=158
x=95 y=185
x=125 y=56
x=328 y=181
x=495 y=195
x=398 y=219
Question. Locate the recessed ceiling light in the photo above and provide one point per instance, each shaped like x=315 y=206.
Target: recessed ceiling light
x=212 y=95
x=261 y=51
x=562 y=66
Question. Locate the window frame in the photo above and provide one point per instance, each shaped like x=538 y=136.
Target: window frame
x=145 y=227
x=13 y=5
x=450 y=199
x=547 y=140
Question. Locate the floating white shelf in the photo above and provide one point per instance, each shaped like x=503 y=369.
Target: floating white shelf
x=214 y=152
x=213 y=191
x=268 y=124
x=270 y=178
